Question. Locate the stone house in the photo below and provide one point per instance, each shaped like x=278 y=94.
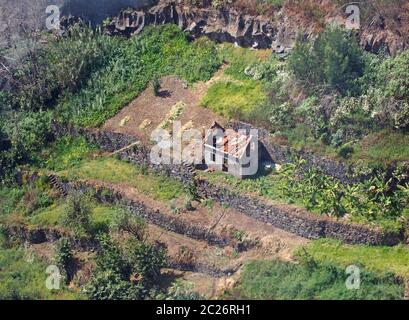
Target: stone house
x=231 y=151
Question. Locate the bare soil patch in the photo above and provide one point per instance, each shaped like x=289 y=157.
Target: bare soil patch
x=147 y=112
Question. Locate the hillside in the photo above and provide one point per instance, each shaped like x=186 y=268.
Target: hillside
x=83 y=109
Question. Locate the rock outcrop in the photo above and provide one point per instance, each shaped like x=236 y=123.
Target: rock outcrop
x=277 y=30
x=222 y=25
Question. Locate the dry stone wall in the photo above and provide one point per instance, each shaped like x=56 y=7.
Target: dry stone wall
x=304 y=224
x=298 y=221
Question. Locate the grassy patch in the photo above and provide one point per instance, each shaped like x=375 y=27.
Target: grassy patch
x=115 y=171
x=101 y=216
x=67 y=152
x=23 y=279
x=9 y=198
x=377 y=259
x=276 y=280
x=234 y=99
x=379 y=148
x=48 y=217
x=383 y=148
x=239 y=59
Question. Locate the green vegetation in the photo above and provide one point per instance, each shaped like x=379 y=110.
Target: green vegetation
x=368 y=202
x=234 y=100
x=240 y=93
x=114 y=171
x=329 y=96
x=353 y=97
x=100 y=217
x=312 y=281
x=116 y=265
x=126 y=268
x=376 y=259
x=334 y=60
x=64 y=259
x=156 y=85
x=77 y=215
x=239 y=60
x=9 y=198
x=67 y=152
x=384 y=147
x=84 y=77
x=135 y=62
x=24 y=278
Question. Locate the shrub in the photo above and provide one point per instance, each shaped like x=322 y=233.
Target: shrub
x=393 y=77
x=64 y=258
x=9 y=198
x=156 y=85
x=77 y=215
x=125 y=273
x=334 y=60
x=124 y=220
x=345 y=151
x=29 y=132
x=145 y=259
x=65 y=63
x=109 y=285
x=33 y=200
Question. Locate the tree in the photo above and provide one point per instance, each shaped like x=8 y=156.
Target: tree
x=64 y=258
x=125 y=272
x=146 y=259
x=156 y=86
x=334 y=60
x=77 y=215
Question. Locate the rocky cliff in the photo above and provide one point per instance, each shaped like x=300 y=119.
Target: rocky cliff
x=276 y=29
x=222 y=25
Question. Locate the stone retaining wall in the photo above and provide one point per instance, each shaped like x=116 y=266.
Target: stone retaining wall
x=39 y=235
x=304 y=224
x=139 y=155
x=298 y=221
x=173 y=224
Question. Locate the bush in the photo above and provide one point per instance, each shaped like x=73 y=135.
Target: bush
x=125 y=273
x=77 y=215
x=124 y=220
x=146 y=260
x=393 y=77
x=334 y=60
x=33 y=200
x=65 y=63
x=156 y=85
x=67 y=152
x=64 y=258
x=9 y=198
x=109 y=285
x=29 y=132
